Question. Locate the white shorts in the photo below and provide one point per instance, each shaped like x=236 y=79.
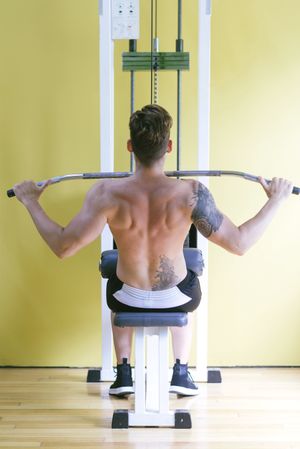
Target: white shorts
x=156 y=299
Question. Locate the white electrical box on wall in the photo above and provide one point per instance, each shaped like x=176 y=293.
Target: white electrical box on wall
x=125 y=19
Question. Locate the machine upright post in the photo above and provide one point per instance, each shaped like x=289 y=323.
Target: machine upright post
x=179 y=48
x=107 y=163
x=132 y=48
x=204 y=36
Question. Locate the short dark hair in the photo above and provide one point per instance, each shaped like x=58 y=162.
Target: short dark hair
x=150 y=133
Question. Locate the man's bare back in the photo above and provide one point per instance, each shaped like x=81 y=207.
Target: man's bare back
x=149 y=218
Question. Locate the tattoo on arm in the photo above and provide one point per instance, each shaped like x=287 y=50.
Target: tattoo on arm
x=165 y=276
x=205 y=214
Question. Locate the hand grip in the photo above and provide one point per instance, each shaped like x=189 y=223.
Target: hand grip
x=295 y=191
x=10 y=193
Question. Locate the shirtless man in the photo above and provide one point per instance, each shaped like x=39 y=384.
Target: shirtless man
x=149 y=216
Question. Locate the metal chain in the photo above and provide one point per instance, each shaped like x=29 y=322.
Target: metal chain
x=155 y=89
x=156 y=49
x=154 y=57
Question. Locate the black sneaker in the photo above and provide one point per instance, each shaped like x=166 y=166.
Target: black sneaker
x=182 y=382
x=123 y=384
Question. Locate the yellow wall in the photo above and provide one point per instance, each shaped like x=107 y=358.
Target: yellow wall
x=50 y=313
x=255 y=300
x=49 y=126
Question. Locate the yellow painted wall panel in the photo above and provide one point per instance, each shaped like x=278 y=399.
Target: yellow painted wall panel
x=49 y=125
x=254 y=300
x=49 y=115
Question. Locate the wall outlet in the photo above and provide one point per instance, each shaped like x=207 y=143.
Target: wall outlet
x=125 y=19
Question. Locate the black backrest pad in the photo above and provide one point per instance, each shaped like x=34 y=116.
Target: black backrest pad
x=193 y=258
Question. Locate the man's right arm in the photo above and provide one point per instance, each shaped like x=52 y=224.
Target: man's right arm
x=85 y=227
x=220 y=230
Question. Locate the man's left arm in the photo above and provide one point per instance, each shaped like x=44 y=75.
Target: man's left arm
x=220 y=230
x=85 y=227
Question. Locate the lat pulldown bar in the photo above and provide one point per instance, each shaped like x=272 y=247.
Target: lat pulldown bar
x=176 y=174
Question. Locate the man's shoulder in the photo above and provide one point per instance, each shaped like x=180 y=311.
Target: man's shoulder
x=191 y=186
x=100 y=190
x=198 y=187
x=107 y=185
x=109 y=189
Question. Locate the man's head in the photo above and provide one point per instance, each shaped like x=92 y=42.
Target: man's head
x=150 y=133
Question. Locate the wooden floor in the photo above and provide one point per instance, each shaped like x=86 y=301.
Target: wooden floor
x=56 y=408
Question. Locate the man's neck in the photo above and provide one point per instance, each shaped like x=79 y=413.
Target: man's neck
x=156 y=170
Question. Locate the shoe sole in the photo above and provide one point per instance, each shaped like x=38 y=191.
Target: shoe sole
x=183 y=391
x=121 y=391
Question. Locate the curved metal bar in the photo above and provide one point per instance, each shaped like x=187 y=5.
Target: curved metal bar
x=175 y=174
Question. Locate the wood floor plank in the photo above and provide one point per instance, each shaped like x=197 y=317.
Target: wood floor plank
x=56 y=408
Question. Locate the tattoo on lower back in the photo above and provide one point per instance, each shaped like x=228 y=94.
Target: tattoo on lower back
x=165 y=276
x=205 y=215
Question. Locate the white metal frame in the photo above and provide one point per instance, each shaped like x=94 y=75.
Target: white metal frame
x=107 y=164
x=204 y=37
x=151 y=385
x=106 y=59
